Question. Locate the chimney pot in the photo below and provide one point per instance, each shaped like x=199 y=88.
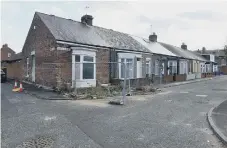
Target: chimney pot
x=87 y=19
x=184 y=46
x=153 y=37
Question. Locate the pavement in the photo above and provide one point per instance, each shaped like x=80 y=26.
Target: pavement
x=48 y=94
x=173 y=118
x=217 y=118
x=40 y=93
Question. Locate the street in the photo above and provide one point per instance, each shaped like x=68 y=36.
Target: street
x=174 y=118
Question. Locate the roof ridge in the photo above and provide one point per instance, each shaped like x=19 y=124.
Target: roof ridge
x=51 y=15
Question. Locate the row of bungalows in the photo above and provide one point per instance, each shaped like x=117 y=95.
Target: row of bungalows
x=64 y=53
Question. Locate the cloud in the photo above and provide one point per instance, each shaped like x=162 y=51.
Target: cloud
x=204 y=15
x=173 y=22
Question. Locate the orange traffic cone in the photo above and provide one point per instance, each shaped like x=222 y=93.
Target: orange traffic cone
x=21 y=87
x=15 y=84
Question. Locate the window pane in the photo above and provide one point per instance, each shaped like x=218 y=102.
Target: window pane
x=128 y=68
x=77 y=58
x=88 y=71
x=88 y=58
x=77 y=69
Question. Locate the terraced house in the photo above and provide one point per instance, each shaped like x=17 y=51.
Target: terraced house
x=64 y=53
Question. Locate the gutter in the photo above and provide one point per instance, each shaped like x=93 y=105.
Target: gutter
x=77 y=44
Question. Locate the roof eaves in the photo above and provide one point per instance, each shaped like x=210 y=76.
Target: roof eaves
x=95 y=46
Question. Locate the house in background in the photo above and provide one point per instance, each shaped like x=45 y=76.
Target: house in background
x=190 y=64
x=220 y=63
x=14 y=67
x=6 y=52
x=161 y=59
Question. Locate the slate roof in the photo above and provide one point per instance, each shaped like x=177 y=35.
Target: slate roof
x=183 y=53
x=77 y=32
x=215 y=52
x=16 y=57
x=154 y=47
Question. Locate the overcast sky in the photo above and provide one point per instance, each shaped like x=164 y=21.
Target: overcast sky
x=197 y=23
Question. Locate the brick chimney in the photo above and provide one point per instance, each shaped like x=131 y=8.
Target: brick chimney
x=184 y=46
x=4 y=45
x=153 y=37
x=87 y=19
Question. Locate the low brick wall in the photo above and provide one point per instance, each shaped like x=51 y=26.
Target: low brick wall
x=168 y=78
x=15 y=70
x=203 y=75
x=208 y=75
x=223 y=69
x=181 y=77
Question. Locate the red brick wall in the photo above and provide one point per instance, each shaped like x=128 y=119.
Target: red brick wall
x=224 y=69
x=168 y=78
x=4 y=52
x=203 y=75
x=102 y=66
x=15 y=70
x=50 y=64
x=64 y=70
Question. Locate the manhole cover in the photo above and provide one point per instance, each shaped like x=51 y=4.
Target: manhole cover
x=38 y=142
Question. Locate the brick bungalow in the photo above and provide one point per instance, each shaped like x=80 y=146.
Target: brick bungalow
x=190 y=66
x=63 y=53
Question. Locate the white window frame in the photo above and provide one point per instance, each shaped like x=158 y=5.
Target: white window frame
x=9 y=55
x=174 y=65
x=183 y=67
x=127 y=56
x=157 y=69
x=83 y=82
x=148 y=63
x=81 y=66
x=129 y=70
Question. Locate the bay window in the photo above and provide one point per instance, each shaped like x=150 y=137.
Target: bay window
x=172 y=67
x=157 y=67
x=128 y=68
x=148 y=67
x=85 y=67
x=183 y=67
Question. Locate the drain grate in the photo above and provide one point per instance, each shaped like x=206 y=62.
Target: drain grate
x=38 y=142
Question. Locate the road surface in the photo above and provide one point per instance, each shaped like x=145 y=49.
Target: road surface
x=174 y=118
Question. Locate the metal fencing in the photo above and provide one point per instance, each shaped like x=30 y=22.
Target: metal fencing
x=127 y=75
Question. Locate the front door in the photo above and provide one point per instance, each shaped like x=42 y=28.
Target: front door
x=33 y=68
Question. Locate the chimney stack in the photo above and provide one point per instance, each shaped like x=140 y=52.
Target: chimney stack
x=87 y=19
x=4 y=45
x=184 y=46
x=203 y=50
x=153 y=37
